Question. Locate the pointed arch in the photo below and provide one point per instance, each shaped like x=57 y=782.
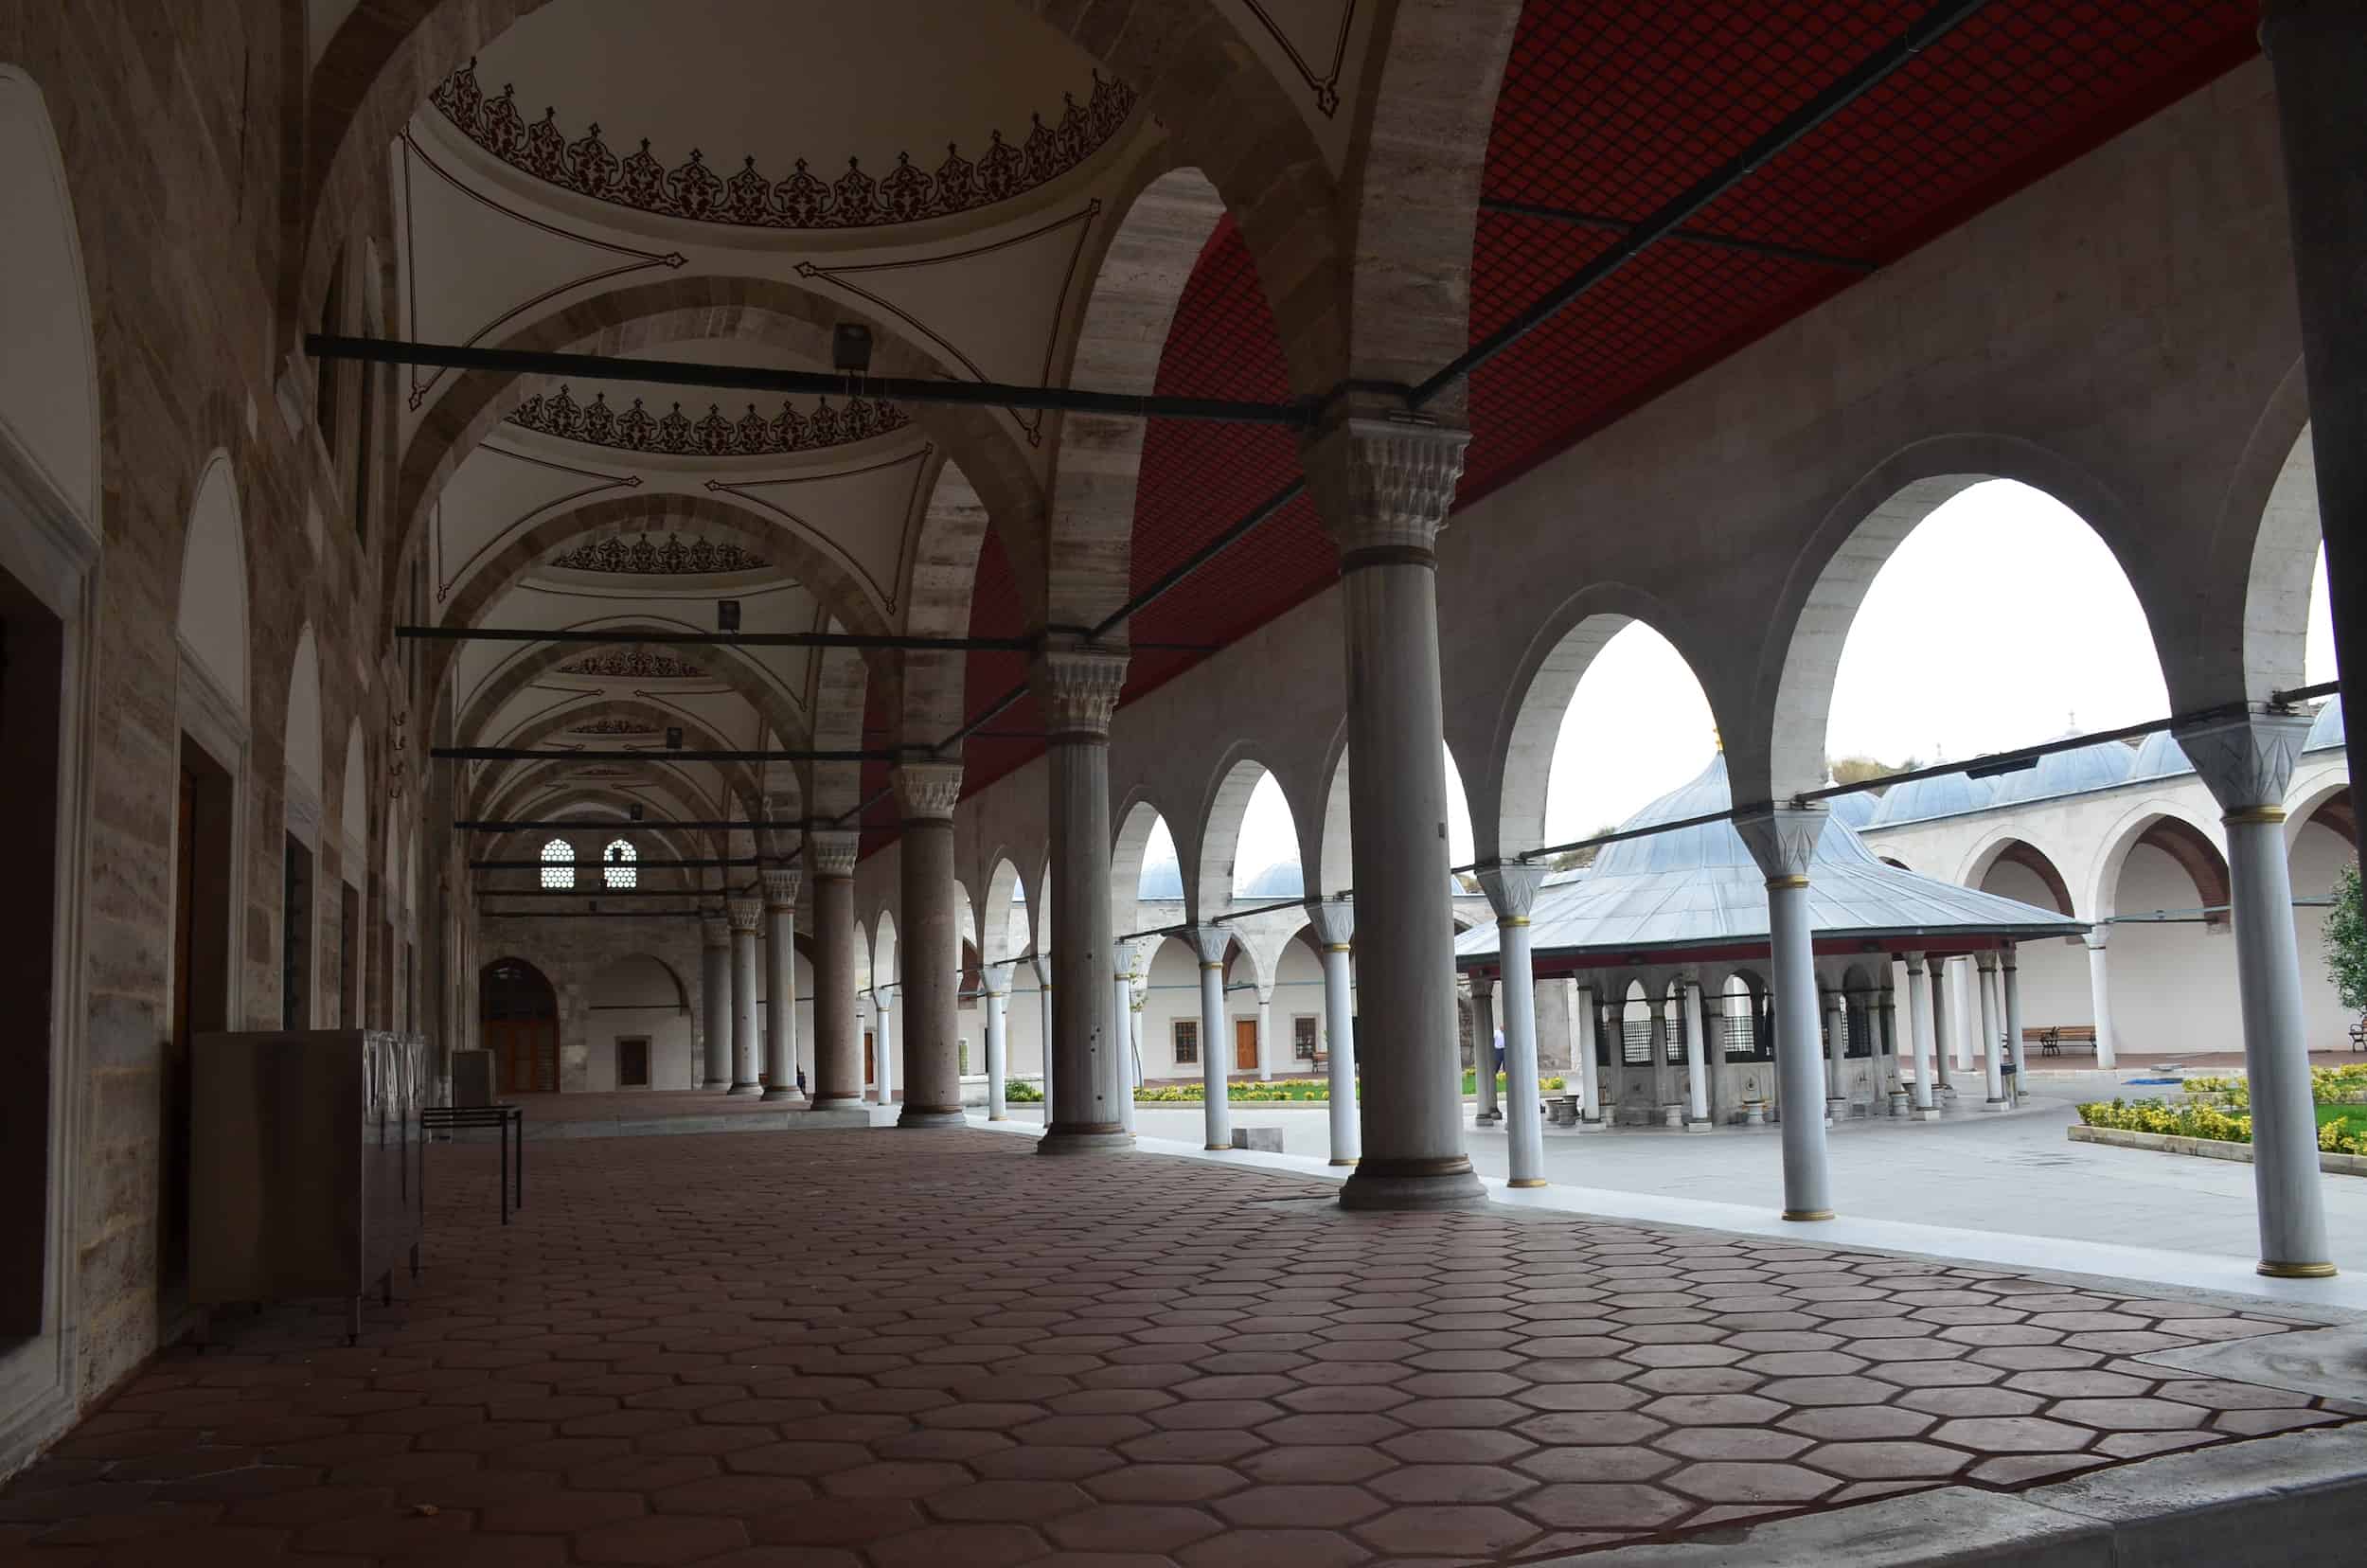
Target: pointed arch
x=49 y=407
x=213 y=622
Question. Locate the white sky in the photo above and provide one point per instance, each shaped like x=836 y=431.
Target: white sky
x=2001 y=620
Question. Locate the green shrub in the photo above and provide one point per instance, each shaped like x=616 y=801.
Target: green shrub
x=1020 y=1092
x=2181 y=1121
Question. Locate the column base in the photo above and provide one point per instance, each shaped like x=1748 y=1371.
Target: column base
x=716 y=1083
x=1997 y=1104
x=746 y=1089
x=1420 y=1185
x=1350 y=1161
x=771 y=1095
x=834 y=1103
x=997 y=1115
x=1926 y=1113
x=929 y=1115
x=1704 y=1126
x=1526 y=1181
x=2296 y=1271
x=1092 y=1138
x=1808 y=1214
x=1226 y=1146
x=1487 y=1118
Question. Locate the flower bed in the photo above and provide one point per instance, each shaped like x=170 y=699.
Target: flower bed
x=1272 y=1092
x=2338 y=1135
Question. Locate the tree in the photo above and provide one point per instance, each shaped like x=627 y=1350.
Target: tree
x=1857 y=769
x=1575 y=860
x=2346 y=941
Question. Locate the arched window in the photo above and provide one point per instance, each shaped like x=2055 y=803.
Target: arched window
x=558 y=864
x=617 y=865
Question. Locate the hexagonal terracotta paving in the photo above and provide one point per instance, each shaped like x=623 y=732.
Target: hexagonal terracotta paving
x=934 y=1350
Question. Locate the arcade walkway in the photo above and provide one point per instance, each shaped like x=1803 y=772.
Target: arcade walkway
x=836 y=1349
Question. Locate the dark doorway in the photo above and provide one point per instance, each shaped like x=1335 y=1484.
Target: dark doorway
x=203 y=833
x=295 y=937
x=32 y=682
x=519 y=1014
x=633 y=1064
x=348 y=956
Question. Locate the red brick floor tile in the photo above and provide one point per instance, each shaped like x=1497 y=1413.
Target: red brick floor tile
x=1624 y=1506
x=661 y=1539
x=1266 y=1548
x=970 y=1545
x=1447 y=1530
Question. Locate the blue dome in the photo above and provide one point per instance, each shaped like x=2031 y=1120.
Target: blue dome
x=1948 y=794
x=2326 y=730
x=1854 y=810
x=1162 y=878
x=1710 y=843
x=1282 y=879
x=2096 y=767
x=2160 y=756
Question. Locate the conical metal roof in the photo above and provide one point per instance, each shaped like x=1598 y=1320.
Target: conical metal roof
x=1698 y=888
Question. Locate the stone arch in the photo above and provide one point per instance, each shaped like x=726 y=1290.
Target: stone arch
x=1330 y=848
x=668 y=783
x=2012 y=847
x=1003 y=933
x=926 y=686
x=2321 y=793
x=2271 y=509
x=619 y=977
x=1224 y=811
x=1126 y=861
x=2192 y=842
x=883 y=955
x=738 y=777
x=353 y=819
x=213 y=621
x=519 y=843
x=49 y=409
x=1780 y=751
x=301 y=734
x=1509 y=818
x=701 y=308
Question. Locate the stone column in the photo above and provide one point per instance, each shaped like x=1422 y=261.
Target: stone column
x=781 y=983
x=1696 y=1060
x=1919 y=1034
x=883 y=1042
x=2318 y=53
x=1941 y=1044
x=1885 y=1038
x=1483 y=1052
x=1589 y=1070
x=1992 y=1023
x=1382 y=488
x=1335 y=922
x=2100 y=993
x=747 y=919
x=1042 y=967
x=1836 y=1042
x=1085 y=1098
x=1781 y=840
x=837 y=1031
x=2247 y=761
x=2012 y=981
x=1210 y=943
x=998 y=999
x=1265 y=1036
x=1127 y=1027
x=715 y=995
x=1511 y=890
x=930 y=968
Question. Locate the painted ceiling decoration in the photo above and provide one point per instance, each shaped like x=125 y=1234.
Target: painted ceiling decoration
x=1319 y=71
x=633 y=664
x=803 y=199
x=615 y=726
x=643 y=557
x=754 y=436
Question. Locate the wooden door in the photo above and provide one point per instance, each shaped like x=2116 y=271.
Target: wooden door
x=1245 y=1044
x=633 y=1064
x=870 y=1072
x=527 y=1049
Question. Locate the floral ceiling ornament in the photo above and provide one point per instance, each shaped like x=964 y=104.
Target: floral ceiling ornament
x=614 y=727
x=803 y=200
x=635 y=664
x=753 y=435
x=643 y=557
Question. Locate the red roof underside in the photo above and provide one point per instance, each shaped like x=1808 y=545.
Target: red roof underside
x=1609 y=108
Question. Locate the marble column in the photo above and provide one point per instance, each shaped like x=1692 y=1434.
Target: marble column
x=1942 y=1045
x=1127 y=1027
x=1042 y=967
x=930 y=968
x=2100 y=993
x=997 y=1003
x=2317 y=52
x=1511 y=890
x=1836 y=1042
x=837 y=1030
x=1696 y=1061
x=1210 y=943
x=715 y=995
x=1584 y=1054
x=781 y=983
x=747 y=919
x=1483 y=1052
x=1919 y=1035
x=1085 y=1099
x=1265 y=1036
x=1992 y=1025
x=1382 y=488
x=1782 y=840
x=1885 y=1038
x=1335 y=923
x=2010 y=977
x=2247 y=761
x=884 y=1043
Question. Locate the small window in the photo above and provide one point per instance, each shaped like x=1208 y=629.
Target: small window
x=1303 y=1037
x=617 y=865
x=558 y=864
x=1187 y=1041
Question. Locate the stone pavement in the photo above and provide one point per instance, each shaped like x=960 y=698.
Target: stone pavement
x=938 y=1349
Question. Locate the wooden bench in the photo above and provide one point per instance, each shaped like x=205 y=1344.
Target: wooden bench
x=2054 y=1037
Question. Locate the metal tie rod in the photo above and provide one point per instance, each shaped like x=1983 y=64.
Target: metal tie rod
x=657 y=753
x=504 y=825
x=724 y=639
x=743 y=377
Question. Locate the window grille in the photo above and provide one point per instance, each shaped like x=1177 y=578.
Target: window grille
x=1187 y=1041
x=1303 y=1037
x=1635 y=1039
x=558 y=864
x=617 y=868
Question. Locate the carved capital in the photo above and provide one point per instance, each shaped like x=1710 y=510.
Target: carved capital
x=714 y=928
x=780 y=889
x=1211 y=942
x=1782 y=838
x=2096 y=936
x=1077 y=688
x=1382 y=487
x=1334 y=920
x=927 y=792
x=1511 y=888
x=997 y=978
x=832 y=853
x=746 y=915
x=2246 y=761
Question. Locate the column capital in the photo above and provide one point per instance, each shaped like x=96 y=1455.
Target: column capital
x=1915 y=963
x=2005 y=957
x=1382 y=487
x=746 y=915
x=1511 y=888
x=832 y=853
x=1211 y=942
x=780 y=889
x=1782 y=839
x=1077 y=688
x=927 y=792
x=2247 y=759
x=1334 y=920
x=998 y=978
x=2096 y=936
x=1985 y=962
x=714 y=929
x=885 y=996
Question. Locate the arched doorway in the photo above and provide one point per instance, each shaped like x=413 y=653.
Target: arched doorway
x=517 y=1020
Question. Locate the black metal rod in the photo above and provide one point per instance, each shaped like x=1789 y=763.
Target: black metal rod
x=657 y=753
x=483 y=892
x=1927 y=29
x=712 y=861
x=1689 y=236
x=721 y=639
x=746 y=378
x=1264 y=512
x=478 y=825
x=587 y=914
